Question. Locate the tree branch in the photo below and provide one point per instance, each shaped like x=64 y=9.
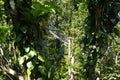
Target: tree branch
x=61 y=37
x=12 y=72
x=7 y=69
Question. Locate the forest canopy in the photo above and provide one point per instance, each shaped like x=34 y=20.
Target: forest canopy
x=59 y=39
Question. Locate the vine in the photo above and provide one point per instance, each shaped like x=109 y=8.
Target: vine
x=103 y=16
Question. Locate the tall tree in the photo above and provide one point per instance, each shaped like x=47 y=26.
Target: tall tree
x=103 y=16
x=29 y=19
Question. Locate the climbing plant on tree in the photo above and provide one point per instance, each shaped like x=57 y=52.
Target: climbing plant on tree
x=29 y=19
x=103 y=16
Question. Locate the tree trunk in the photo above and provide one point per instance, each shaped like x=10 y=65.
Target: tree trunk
x=101 y=21
x=96 y=9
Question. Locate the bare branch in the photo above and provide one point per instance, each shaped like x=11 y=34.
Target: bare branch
x=7 y=69
x=57 y=35
x=12 y=72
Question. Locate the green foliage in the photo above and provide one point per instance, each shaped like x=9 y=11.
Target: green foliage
x=2 y=75
x=32 y=51
x=101 y=21
x=3 y=33
x=2 y=14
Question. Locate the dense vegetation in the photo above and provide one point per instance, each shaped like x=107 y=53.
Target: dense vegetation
x=59 y=39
